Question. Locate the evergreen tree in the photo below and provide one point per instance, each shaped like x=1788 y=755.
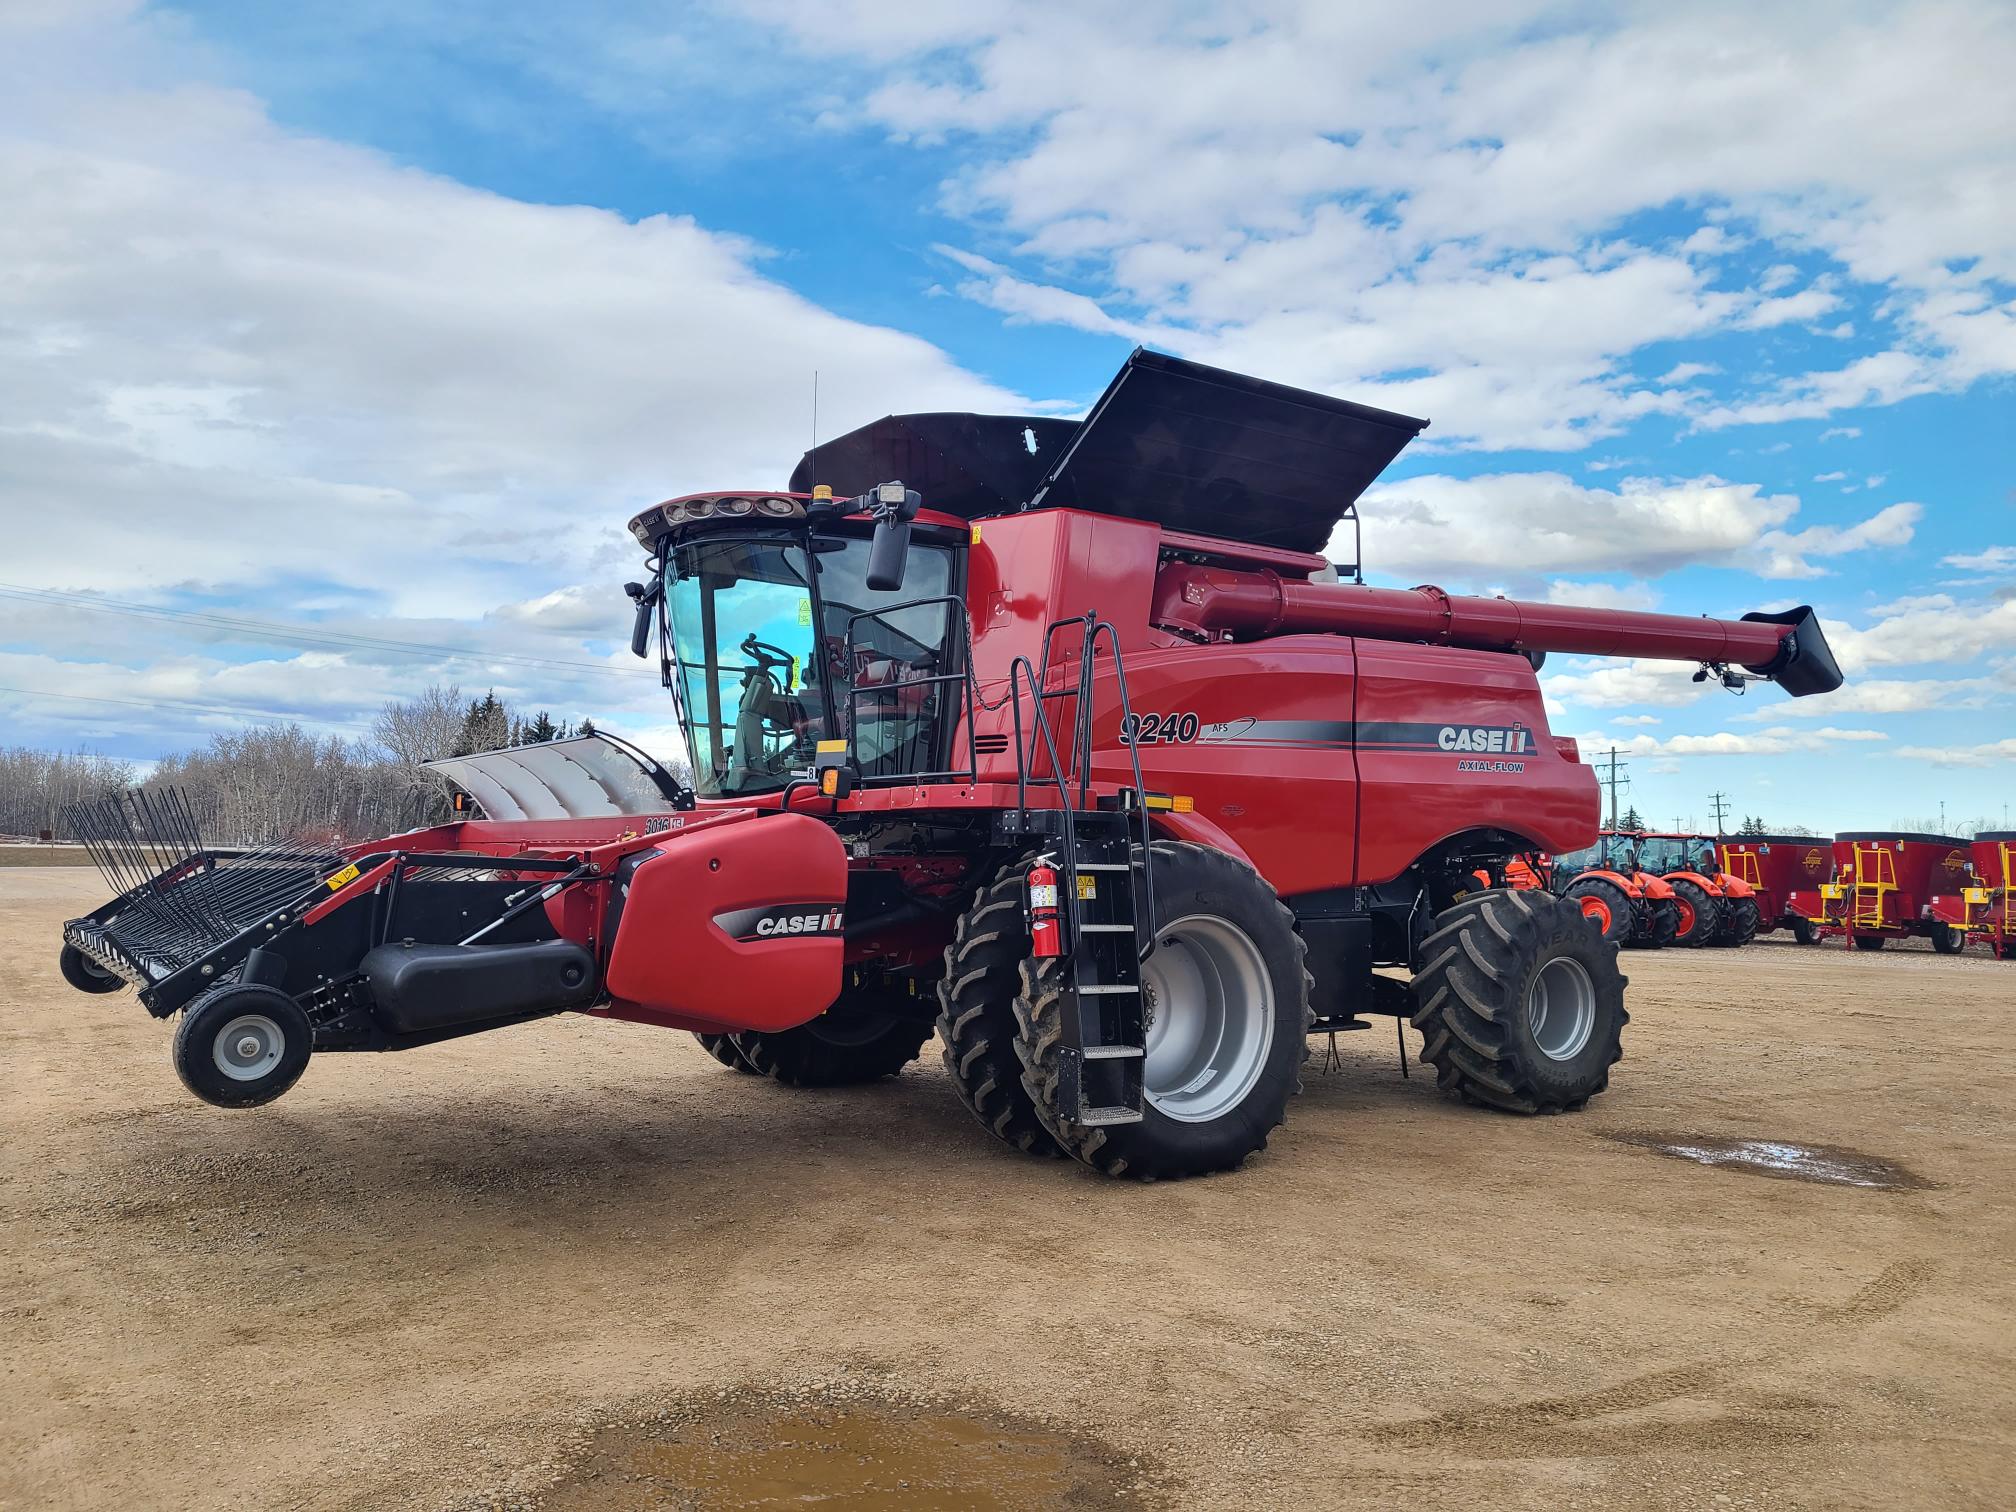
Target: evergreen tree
x=587 y=726
x=1632 y=819
x=540 y=729
x=485 y=727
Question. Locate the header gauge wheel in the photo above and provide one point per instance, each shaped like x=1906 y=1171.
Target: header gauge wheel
x=240 y=1044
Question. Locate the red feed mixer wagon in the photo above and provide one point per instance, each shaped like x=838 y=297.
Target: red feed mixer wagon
x=1071 y=743
x=1992 y=917
x=1776 y=867
x=1889 y=885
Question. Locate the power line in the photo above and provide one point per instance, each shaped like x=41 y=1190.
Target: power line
x=304 y=635
x=1721 y=811
x=1616 y=782
x=192 y=708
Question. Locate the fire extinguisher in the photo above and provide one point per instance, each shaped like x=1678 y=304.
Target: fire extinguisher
x=1046 y=937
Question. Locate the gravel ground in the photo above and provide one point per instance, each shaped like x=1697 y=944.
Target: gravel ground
x=577 y=1264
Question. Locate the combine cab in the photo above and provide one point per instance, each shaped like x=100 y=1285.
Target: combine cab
x=1894 y=886
x=1628 y=904
x=1716 y=906
x=1072 y=742
x=1775 y=867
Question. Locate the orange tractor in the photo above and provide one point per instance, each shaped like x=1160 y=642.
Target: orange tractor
x=1716 y=907
x=1629 y=904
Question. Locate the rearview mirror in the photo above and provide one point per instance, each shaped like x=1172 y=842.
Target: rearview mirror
x=646 y=600
x=888 y=553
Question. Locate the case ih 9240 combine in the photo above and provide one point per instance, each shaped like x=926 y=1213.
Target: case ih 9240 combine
x=1074 y=743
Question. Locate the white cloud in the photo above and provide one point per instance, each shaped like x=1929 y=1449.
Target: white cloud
x=1846 y=432
x=1685 y=372
x=1354 y=183
x=1603 y=595
x=1961 y=756
x=1624 y=684
x=1884 y=696
x=1994 y=559
x=1939 y=632
x=1778 y=741
x=1544 y=523
x=279 y=369
x=1829 y=477
x=1635 y=720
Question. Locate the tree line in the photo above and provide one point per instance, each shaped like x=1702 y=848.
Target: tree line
x=277 y=781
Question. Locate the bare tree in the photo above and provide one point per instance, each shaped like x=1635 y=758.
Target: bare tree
x=422 y=728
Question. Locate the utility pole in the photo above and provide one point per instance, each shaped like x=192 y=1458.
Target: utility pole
x=1720 y=800
x=1616 y=782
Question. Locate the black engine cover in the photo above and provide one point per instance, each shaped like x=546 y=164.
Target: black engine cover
x=416 y=988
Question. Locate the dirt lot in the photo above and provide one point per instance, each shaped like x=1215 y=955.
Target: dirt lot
x=578 y=1265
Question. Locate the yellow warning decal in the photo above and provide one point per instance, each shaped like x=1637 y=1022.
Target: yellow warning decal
x=832 y=745
x=804 y=611
x=975 y=541
x=343 y=878
x=1088 y=887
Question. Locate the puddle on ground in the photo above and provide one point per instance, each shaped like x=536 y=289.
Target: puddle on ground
x=850 y=1456
x=1828 y=1164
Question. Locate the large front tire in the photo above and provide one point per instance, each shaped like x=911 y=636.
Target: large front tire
x=1700 y=913
x=1521 y=1005
x=1604 y=904
x=976 y=1014
x=863 y=1037
x=1226 y=994
x=722 y=1048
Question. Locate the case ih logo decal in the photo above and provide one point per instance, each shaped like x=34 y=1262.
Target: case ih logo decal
x=781 y=921
x=1498 y=739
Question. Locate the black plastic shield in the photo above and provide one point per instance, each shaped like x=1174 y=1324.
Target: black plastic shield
x=1199 y=449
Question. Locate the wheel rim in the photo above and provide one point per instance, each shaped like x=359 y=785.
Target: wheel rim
x=1561 y=1008
x=248 y=1047
x=1599 y=911
x=1210 y=1007
x=1684 y=917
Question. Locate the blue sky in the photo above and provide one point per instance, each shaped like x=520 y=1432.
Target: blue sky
x=379 y=322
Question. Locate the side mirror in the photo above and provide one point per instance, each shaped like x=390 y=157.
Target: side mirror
x=893 y=506
x=888 y=552
x=646 y=600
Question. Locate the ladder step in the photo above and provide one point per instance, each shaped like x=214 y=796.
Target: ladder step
x=1088 y=991
x=1106 y=929
x=1117 y=1052
x=1093 y=1118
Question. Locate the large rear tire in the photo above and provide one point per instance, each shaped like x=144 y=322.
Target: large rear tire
x=1521 y=1005
x=1605 y=905
x=1700 y=913
x=1740 y=920
x=1665 y=923
x=976 y=1014
x=861 y=1038
x=722 y=1048
x=1226 y=993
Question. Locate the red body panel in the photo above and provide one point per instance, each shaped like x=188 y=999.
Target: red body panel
x=1891 y=880
x=1323 y=759
x=679 y=958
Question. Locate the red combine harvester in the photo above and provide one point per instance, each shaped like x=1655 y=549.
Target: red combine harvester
x=1629 y=905
x=1716 y=907
x=1094 y=761
x=1891 y=886
x=1775 y=867
x=1992 y=917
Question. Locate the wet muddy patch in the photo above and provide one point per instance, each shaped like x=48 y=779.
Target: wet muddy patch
x=851 y=1453
x=1829 y=1165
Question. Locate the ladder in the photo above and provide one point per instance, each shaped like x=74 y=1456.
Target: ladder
x=1874 y=883
x=1100 y=848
